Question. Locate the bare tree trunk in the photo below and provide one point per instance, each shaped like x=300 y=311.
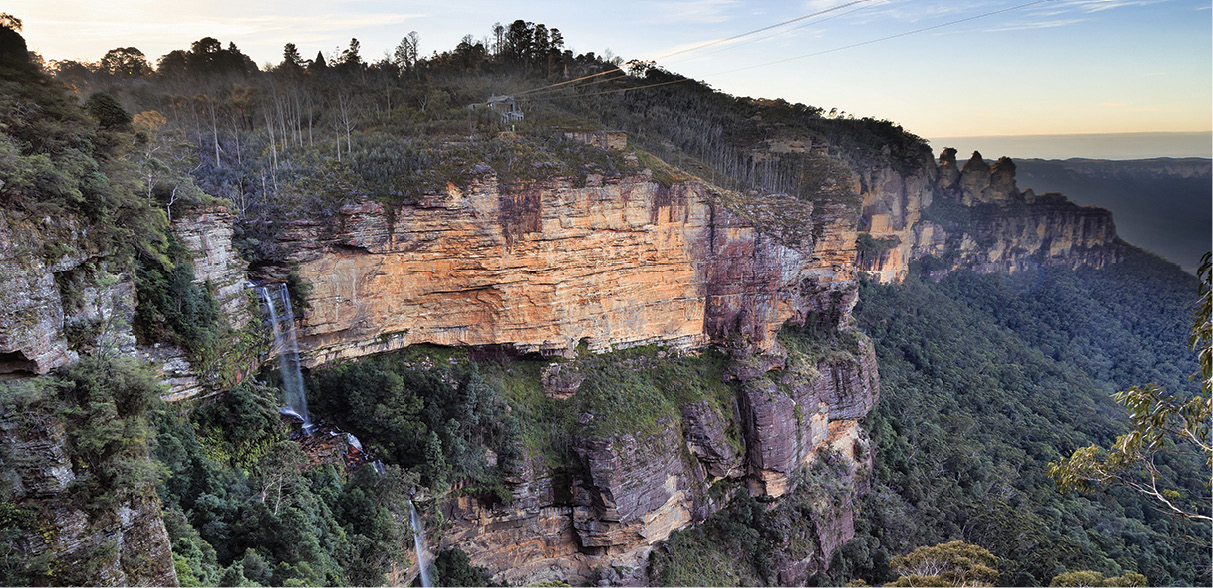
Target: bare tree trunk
x=269 y=125
x=215 y=133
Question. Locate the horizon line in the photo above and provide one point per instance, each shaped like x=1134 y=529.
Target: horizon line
x=1208 y=132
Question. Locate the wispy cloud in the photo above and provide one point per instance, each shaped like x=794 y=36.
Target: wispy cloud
x=694 y=11
x=1036 y=24
x=1087 y=6
x=1101 y=5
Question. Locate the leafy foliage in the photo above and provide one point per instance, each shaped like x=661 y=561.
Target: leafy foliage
x=954 y=563
x=1090 y=578
x=732 y=548
x=1161 y=422
x=238 y=507
x=453 y=568
x=987 y=379
x=96 y=410
x=172 y=308
x=436 y=416
x=108 y=111
x=745 y=543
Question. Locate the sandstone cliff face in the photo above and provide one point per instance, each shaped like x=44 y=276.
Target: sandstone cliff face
x=546 y=266
x=893 y=203
x=207 y=234
x=125 y=546
x=56 y=297
x=976 y=217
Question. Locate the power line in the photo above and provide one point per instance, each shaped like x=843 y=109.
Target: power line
x=636 y=88
x=797 y=28
x=601 y=73
x=907 y=33
x=766 y=28
x=851 y=46
x=696 y=48
x=547 y=89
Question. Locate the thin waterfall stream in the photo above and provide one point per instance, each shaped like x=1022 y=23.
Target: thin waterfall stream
x=282 y=319
x=419 y=546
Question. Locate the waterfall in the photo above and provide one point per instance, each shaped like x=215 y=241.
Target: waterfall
x=419 y=545
x=282 y=318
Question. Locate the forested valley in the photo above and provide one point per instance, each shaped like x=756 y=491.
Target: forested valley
x=986 y=379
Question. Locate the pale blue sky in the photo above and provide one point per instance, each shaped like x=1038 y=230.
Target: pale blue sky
x=1059 y=66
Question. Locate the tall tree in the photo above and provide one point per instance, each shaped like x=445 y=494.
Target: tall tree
x=518 y=41
x=406 y=52
x=125 y=62
x=498 y=38
x=291 y=60
x=352 y=56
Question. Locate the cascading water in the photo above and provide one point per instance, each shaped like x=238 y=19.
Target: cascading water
x=282 y=319
x=423 y=565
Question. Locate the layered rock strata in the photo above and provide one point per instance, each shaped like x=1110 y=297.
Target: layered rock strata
x=122 y=545
x=207 y=235
x=550 y=267
x=789 y=415
x=57 y=296
x=975 y=217
x=546 y=266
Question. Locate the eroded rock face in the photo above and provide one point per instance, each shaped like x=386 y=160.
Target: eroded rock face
x=547 y=266
x=893 y=204
x=786 y=418
x=1053 y=232
x=541 y=268
x=981 y=220
x=630 y=491
x=829 y=498
x=57 y=297
x=637 y=491
x=708 y=440
x=125 y=546
x=207 y=234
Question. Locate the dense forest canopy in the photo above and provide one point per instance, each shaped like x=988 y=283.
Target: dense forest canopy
x=986 y=378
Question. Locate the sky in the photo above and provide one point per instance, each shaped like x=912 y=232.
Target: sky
x=940 y=68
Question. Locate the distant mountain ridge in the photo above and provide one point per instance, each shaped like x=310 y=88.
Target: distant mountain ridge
x=1181 y=167
x=1118 y=146
x=1162 y=204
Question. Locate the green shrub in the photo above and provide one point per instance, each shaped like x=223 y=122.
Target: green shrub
x=453 y=568
x=108 y=111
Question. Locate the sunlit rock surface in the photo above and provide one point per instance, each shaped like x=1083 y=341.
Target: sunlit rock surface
x=976 y=217
x=548 y=266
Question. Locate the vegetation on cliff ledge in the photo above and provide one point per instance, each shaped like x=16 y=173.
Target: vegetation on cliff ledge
x=302 y=137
